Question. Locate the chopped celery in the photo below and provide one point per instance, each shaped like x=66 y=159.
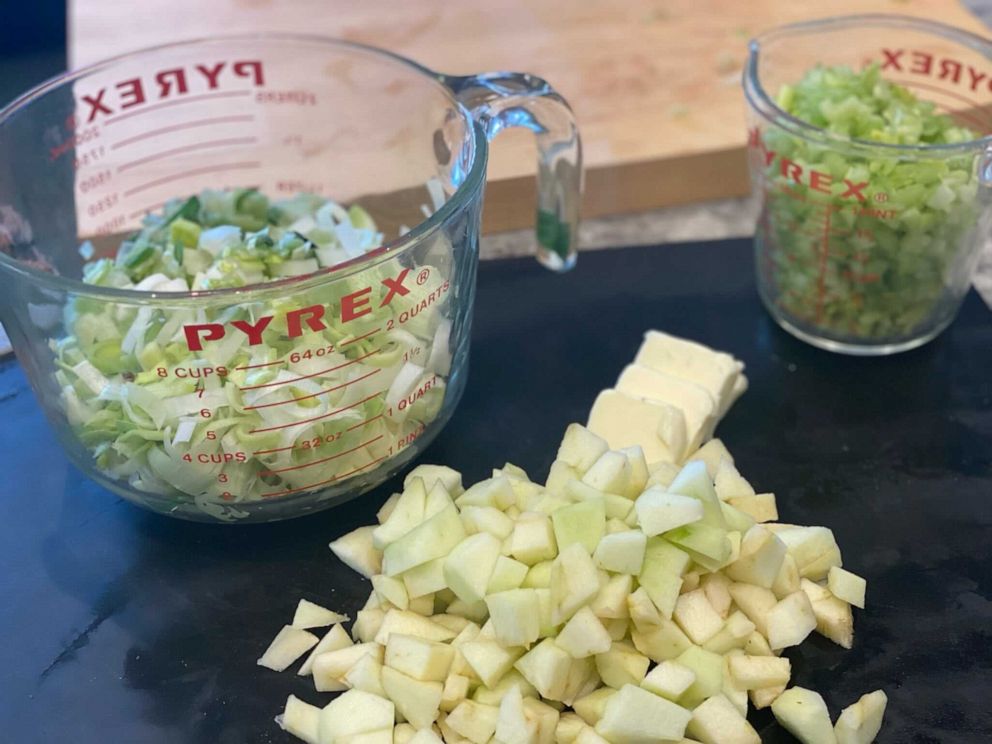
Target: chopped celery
x=864 y=244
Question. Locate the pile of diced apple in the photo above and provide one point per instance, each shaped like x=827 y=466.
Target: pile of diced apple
x=624 y=600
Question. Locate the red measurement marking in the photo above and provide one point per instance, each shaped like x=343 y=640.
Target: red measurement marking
x=186 y=125
x=366 y=422
x=257 y=366
x=821 y=280
x=189 y=148
x=179 y=102
x=314 y=395
x=359 y=338
x=315 y=418
x=324 y=482
x=318 y=462
x=973 y=118
x=194 y=172
x=315 y=374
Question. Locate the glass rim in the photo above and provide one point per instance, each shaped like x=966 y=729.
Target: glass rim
x=462 y=195
x=764 y=104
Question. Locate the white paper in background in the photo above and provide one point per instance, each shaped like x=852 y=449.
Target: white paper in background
x=4 y=342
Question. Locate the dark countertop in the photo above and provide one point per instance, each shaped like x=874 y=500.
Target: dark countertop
x=120 y=625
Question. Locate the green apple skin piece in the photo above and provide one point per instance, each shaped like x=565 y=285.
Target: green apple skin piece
x=515 y=615
x=433 y=538
x=696 y=616
x=734 y=634
x=533 y=539
x=335 y=638
x=611 y=601
x=510 y=680
x=568 y=728
x=860 y=722
x=329 y=668
x=638 y=472
x=580 y=448
x=658 y=511
x=427 y=578
x=538 y=576
x=512 y=726
x=708 y=668
x=760 y=560
x=756 y=672
x=788 y=580
x=610 y=473
x=357 y=552
x=662 y=642
x=583 y=523
x=590 y=707
x=300 y=719
x=408 y=512
x=354 y=712
x=790 y=621
x=474 y=721
x=433 y=474
x=391 y=590
x=755 y=602
x=844 y=585
x=803 y=714
x=728 y=482
x=621 y=552
x=427 y=661
x=410 y=623
x=310 y=615
x=456 y=688
x=367 y=624
x=366 y=675
x=584 y=635
x=814 y=549
x=761 y=507
x=546 y=666
x=574 y=582
x=669 y=680
x=496 y=492
x=418 y=702
x=489 y=660
x=636 y=716
x=470 y=565
x=717 y=721
x=694 y=480
x=487 y=519
x=622 y=665
x=661 y=573
x=289 y=645
x=507 y=574
x=544 y=716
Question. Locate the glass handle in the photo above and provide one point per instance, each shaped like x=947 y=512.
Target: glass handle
x=509 y=99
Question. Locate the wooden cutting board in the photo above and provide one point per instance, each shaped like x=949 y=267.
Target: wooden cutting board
x=655 y=84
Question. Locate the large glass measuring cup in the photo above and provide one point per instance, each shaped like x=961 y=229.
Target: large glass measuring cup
x=270 y=400
x=864 y=247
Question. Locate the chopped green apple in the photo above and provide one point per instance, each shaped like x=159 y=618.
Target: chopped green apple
x=761 y=507
x=643 y=612
x=712 y=454
x=417 y=701
x=708 y=668
x=568 y=728
x=728 y=482
x=760 y=560
x=580 y=447
x=407 y=513
x=433 y=474
x=515 y=616
x=803 y=714
x=511 y=679
x=574 y=582
x=470 y=565
x=788 y=580
x=366 y=675
x=717 y=721
x=636 y=716
x=790 y=621
x=610 y=473
x=335 y=638
x=474 y=721
x=590 y=707
x=834 y=619
x=546 y=666
x=621 y=552
x=755 y=602
x=860 y=722
x=428 y=661
x=544 y=716
x=496 y=492
x=584 y=635
x=669 y=679
x=424 y=736
x=717 y=589
x=289 y=645
x=583 y=522
x=756 y=672
x=310 y=615
x=487 y=519
x=367 y=624
x=391 y=590
x=533 y=539
x=734 y=634
x=694 y=480
x=329 y=668
x=814 y=549
x=661 y=573
x=708 y=546
x=354 y=712
x=507 y=574
x=658 y=511
x=300 y=719
x=662 y=642
x=456 y=688
x=427 y=578
x=357 y=552
x=489 y=660
x=611 y=602
x=410 y=623
x=696 y=616
x=843 y=585
x=622 y=665
x=512 y=726
x=433 y=538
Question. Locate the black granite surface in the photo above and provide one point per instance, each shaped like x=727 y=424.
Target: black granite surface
x=117 y=625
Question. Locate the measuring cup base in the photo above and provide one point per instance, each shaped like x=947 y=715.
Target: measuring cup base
x=863 y=350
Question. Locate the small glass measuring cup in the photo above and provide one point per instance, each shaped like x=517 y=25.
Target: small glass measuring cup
x=863 y=247
x=271 y=400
